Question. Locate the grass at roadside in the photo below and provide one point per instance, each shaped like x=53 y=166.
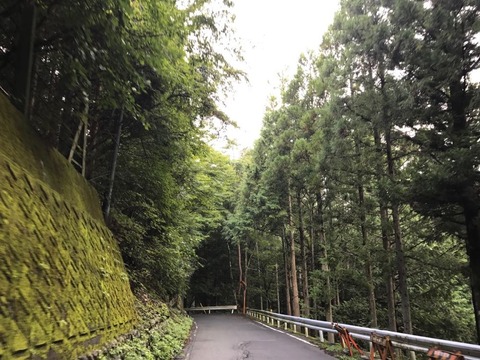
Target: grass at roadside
x=163 y=343
x=161 y=337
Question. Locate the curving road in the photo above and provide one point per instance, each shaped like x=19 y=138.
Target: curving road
x=233 y=337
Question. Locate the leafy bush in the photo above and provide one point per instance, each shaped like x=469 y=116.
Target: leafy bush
x=163 y=343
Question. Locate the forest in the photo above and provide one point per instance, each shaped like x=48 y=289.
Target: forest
x=360 y=201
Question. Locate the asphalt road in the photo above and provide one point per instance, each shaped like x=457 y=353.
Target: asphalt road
x=233 y=337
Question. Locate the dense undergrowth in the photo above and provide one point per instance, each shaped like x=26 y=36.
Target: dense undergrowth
x=162 y=335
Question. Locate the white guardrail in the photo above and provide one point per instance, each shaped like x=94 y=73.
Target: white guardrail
x=209 y=309
x=399 y=340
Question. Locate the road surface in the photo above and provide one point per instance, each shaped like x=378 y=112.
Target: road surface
x=233 y=337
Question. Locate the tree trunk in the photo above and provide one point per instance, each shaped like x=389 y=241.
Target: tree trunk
x=399 y=252
x=384 y=223
x=93 y=147
x=313 y=247
x=245 y=272
x=313 y=255
x=84 y=147
x=368 y=260
x=326 y=270
x=337 y=293
x=303 y=251
x=278 y=289
x=470 y=202
x=231 y=273
x=472 y=215
x=24 y=58
x=389 y=280
x=242 y=286
x=363 y=229
x=83 y=125
x=259 y=274
x=74 y=145
x=63 y=130
x=287 y=273
x=380 y=173
x=402 y=272
x=324 y=267
x=240 y=266
x=293 y=270
x=108 y=200
x=33 y=92
x=366 y=242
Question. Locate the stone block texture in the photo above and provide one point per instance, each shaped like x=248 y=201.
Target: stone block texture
x=63 y=284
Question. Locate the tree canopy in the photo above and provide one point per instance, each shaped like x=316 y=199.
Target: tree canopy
x=363 y=184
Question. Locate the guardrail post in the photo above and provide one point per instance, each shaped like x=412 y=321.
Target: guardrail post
x=320 y=335
x=285 y=325
x=306 y=332
x=294 y=328
x=278 y=323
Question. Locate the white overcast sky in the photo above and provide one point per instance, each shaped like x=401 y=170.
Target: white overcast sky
x=274 y=33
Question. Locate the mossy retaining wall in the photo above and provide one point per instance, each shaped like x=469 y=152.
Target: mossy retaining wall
x=63 y=285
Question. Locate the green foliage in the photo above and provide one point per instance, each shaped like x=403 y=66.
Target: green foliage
x=165 y=210
x=162 y=332
x=162 y=343
x=158 y=66
x=211 y=196
x=374 y=135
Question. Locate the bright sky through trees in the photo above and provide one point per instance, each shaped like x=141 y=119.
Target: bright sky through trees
x=274 y=34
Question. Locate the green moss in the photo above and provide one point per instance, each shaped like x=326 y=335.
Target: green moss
x=63 y=287
x=20 y=143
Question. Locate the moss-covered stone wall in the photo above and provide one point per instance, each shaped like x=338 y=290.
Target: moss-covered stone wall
x=63 y=285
